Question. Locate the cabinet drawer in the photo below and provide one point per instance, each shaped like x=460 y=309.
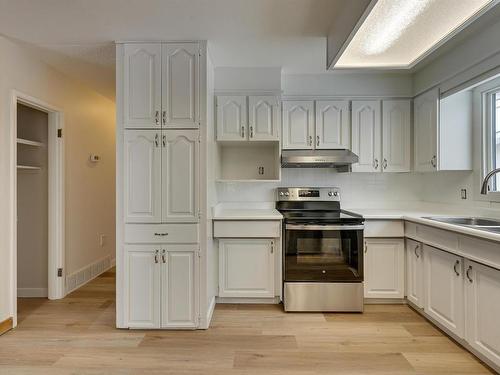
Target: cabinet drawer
x=247 y=228
x=384 y=228
x=161 y=233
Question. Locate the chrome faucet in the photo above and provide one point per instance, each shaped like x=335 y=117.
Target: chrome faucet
x=484 y=187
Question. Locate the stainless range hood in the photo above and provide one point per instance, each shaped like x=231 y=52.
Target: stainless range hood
x=340 y=160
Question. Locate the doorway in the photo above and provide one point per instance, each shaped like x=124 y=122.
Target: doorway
x=37 y=204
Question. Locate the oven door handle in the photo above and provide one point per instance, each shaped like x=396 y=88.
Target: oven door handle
x=323 y=227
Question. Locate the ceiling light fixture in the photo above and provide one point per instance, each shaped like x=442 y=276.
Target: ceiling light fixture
x=401 y=14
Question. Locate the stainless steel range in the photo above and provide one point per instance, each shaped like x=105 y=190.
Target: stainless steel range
x=322 y=251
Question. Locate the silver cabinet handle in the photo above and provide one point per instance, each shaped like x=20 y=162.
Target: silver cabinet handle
x=384 y=164
x=468 y=276
x=163 y=256
x=242 y=132
x=457 y=263
x=164 y=117
x=272 y=247
x=156 y=139
x=416 y=254
x=375 y=163
x=161 y=234
x=433 y=161
x=156 y=256
x=251 y=131
x=164 y=140
x=317 y=140
x=157 y=117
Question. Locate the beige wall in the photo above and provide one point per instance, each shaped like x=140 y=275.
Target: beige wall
x=90 y=190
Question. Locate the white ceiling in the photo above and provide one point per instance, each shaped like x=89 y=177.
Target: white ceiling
x=77 y=36
x=397 y=33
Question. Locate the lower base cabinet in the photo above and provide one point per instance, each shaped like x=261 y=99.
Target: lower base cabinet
x=161 y=287
x=482 y=287
x=246 y=268
x=444 y=289
x=384 y=265
x=415 y=273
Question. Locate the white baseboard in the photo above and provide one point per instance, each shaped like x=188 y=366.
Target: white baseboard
x=87 y=273
x=32 y=292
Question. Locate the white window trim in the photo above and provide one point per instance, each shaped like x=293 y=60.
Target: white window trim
x=482 y=117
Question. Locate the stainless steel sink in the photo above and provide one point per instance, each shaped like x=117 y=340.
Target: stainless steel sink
x=481 y=223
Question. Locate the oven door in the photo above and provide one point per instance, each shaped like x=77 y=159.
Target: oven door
x=326 y=253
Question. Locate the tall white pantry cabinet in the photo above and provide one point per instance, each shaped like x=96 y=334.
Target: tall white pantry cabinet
x=161 y=137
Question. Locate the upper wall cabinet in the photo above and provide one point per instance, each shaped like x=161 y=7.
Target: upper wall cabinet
x=180 y=99
x=426 y=122
x=161 y=85
x=298 y=125
x=396 y=135
x=242 y=118
x=333 y=125
x=142 y=86
x=366 y=135
x=381 y=138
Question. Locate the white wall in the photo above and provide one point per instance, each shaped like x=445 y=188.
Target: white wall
x=90 y=190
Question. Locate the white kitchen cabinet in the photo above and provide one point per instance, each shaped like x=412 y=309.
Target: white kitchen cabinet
x=142 y=176
x=367 y=135
x=396 y=135
x=482 y=286
x=161 y=286
x=178 y=274
x=333 y=124
x=426 y=112
x=180 y=149
x=415 y=273
x=384 y=268
x=298 y=125
x=263 y=118
x=444 y=289
x=142 y=290
x=142 y=85
x=180 y=96
x=232 y=118
x=246 y=268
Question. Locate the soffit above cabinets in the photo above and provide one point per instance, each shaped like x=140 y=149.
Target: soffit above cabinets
x=400 y=33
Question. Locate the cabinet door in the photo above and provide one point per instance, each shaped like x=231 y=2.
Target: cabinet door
x=333 y=125
x=366 y=135
x=396 y=142
x=384 y=268
x=179 y=309
x=426 y=112
x=246 y=268
x=142 y=164
x=298 y=125
x=444 y=288
x=142 y=287
x=232 y=118
x=180 y=76
x=180 y=190
x=483 y=309
x=263 y=118
x=415 y=273
x=142 y=85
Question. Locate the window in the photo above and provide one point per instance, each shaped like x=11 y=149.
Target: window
x=492 y=137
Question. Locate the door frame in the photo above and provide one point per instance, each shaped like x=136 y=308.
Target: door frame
x=56 y=219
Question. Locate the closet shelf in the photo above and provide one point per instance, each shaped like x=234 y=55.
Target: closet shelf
x=29 y=143
x=29 y=167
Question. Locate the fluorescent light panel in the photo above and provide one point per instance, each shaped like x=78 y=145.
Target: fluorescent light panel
x=397 y=32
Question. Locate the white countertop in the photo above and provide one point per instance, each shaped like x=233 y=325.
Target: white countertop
x=247 y=214
x=419 y=216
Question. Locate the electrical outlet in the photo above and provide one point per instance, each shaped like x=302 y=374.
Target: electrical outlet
x=102 y=240
x=463 y=193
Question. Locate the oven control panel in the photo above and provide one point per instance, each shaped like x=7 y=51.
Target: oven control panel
x=308 y=194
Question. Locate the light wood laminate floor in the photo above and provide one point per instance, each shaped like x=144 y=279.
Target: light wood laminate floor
x=76 y=335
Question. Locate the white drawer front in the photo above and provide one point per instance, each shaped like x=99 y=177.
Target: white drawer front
x=384 y=228
x=247 y=229
x=161 y=233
